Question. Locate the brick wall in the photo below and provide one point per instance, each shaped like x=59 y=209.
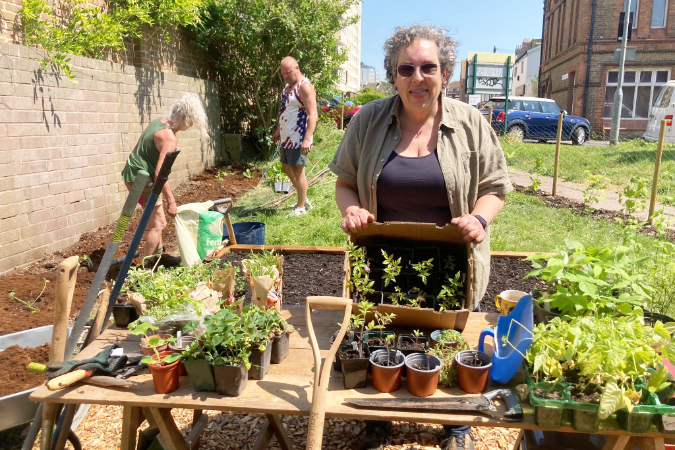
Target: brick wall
x=63 y=145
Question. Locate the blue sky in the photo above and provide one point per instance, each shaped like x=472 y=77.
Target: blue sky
x=479 y=25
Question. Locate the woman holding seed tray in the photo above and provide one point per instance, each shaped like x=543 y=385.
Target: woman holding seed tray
x=158 y=139
x=421 y=157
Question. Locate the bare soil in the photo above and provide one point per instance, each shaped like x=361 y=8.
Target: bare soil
x=548 y=395
x=406 y=345
x=589 y=395
x=19 y=378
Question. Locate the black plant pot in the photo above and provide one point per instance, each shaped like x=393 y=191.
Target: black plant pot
x=355 y=370
x=425 y=253
x=542 y=315
x=230 y=380
x=124 y=314
x=409 y=339
x=280 y=348
x=260 y=362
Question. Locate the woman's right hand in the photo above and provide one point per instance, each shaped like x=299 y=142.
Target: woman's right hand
x=356 y=219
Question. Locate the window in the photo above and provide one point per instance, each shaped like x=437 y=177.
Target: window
x=634 y=9
x=659 y=13
x=549 y=107
x=640 y=88
x=664 y=97
x=530 y=106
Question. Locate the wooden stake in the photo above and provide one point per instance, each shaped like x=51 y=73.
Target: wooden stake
x=490 y=116
x=557 y=155
x=65 y=285
x=657 y=169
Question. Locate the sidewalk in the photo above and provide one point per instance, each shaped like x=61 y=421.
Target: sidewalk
x=575 y=191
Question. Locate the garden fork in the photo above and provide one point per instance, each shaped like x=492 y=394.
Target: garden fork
x=317 y=411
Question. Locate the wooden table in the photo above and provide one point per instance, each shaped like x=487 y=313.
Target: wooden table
x=286 y=389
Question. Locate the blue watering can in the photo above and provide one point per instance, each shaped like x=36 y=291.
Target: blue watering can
x=518 y=325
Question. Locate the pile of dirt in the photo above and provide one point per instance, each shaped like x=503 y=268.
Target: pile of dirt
x=19 y=378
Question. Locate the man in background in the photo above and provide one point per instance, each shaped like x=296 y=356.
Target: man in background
x=297 y=120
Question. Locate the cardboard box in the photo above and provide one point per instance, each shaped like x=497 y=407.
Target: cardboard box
x=417 y=235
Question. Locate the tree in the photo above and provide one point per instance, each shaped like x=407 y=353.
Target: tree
x=247 y=39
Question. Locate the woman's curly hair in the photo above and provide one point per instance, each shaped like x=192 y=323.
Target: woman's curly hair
x=404 y=36
x=189 y=110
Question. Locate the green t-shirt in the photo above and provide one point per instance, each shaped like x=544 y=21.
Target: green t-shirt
x=145 y=155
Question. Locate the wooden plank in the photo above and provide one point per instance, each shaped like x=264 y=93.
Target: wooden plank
x=243 y=248
x=646 y=443
x=517 y=255
x=131 y=419
x=173 y=439
x=279 y=432
x=264 y=437
x=616 y=443
x=192 y=440
x=68 y=417
x=49 y=413
x=519 y=439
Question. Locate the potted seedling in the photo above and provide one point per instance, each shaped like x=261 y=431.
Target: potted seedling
x=227 y=346
x=281 y=330
x=387 y=366
x=198 y=368
x=392 y=269
x=423 y=277
x=447 y=338
x=149 y=340
x=359 y=282
x=259 y=329
x=376 y=340
x=473 y=370
x=422 y=372
x=163 y=364
x=412 y=343
x=447 y=376
x=263 y=271
x=354 y=356
x=449 y=297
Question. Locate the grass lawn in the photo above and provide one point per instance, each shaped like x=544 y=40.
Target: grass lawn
x=618 y=163
x=525 y=224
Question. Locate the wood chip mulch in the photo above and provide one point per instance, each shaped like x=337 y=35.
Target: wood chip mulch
x=102 y=427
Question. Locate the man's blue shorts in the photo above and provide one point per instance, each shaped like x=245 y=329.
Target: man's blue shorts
x=292 y=156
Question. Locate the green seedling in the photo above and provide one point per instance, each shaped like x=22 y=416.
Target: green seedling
x=398 y=296
x=247 y=173
x=416 y=300
x=449 y=263
x=154 y=341
x=423 y=269
x=86 y=261
x=29 y=305
x=388 y=344
x=418 y=335
x=359 y=283
x=220 y=176
x=595 y=190
x=392 y=268
x=449 y=295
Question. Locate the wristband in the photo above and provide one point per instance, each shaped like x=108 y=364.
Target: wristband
x=481 y=220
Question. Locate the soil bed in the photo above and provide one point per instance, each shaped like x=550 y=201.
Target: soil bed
x=548 y=395
x=19 y=378
x=589 y=394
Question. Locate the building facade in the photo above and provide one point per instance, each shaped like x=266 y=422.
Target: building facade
x=526 y=68
x=453 y=88
x=578 y=66
x=369 y=76
x=349 y=38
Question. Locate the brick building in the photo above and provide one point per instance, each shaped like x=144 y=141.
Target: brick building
x=581 y=74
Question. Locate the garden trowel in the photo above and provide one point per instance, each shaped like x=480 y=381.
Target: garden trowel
x=483 y=404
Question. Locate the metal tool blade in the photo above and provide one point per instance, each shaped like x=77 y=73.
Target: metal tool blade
x=422 y=404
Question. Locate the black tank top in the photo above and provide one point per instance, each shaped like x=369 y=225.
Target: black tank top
x=412 y=190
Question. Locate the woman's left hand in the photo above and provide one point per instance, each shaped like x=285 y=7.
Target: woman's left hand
x=470 y=227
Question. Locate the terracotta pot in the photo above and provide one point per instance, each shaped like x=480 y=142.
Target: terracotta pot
x=148 y=351
x=473 y=379
x=422 y=383
x=165 y=376
x=387 y=378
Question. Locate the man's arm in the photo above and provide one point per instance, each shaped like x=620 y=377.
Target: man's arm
x=307 y=95
x=166 y=142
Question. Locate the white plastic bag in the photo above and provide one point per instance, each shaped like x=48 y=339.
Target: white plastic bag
x=199 y=231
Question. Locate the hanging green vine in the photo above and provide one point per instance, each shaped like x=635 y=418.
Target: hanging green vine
x=77 y=28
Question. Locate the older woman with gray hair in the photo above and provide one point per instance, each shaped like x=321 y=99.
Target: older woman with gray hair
x=158 y=139
x=422 y=157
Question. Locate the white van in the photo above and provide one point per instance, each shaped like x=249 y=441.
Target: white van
x=663 y=108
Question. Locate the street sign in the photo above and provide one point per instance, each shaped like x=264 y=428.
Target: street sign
x=564 y=77
x=490 y=78
x=630 y=54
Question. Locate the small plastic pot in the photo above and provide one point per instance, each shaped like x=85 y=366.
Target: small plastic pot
x=124 y=314
x=260 y=362
x=473 y=379
x=634 y=422
x=387 y=378
x=165 y=377
x=280 y=348
x=435 y=338
x=586 y=420
x=147 y=349
x=421 y=382
x=355 y=370
x=230 y=380
x=376 y=334
x=201 y=374
x=542 y=315
x=549 y=417
x=411 y=339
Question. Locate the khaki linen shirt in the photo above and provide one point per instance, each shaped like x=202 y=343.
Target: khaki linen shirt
x=471 y=159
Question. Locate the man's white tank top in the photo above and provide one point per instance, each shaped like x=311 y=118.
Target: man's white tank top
x=292 y=118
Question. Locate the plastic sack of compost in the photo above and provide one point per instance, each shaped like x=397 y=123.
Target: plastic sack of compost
x=199 y=231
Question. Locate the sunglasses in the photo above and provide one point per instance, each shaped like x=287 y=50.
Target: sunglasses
x=408 y=70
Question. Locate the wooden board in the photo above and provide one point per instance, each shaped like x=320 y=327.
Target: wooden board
x=287 y=387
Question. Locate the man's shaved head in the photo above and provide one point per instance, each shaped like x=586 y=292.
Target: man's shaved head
x=290 y=71
x=289 y=62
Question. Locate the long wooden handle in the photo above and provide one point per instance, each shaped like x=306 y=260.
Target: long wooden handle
x=66 y=380
x=65 y=285
x=317 y=412
x=230 y=230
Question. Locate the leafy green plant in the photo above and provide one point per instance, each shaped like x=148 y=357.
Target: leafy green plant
x=397 y=297
x=154 y=341
x=449 y=263
x=220 y=176
x=633 y=195
x=392 y=268
x=226 y=339
x=29 y=304
x=447 y=377
x=418 y=334
x=358 y=322
x=263 y=263
x=415 y=297
x=595 y=190
x=423 y=269
x=359 y=282
x=449 y=336
x=449 y=295
x=583 y=280
x=247 y=173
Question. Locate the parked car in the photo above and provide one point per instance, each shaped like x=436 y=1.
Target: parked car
x=536 y=118
x=333 y=107
x=663 y=108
